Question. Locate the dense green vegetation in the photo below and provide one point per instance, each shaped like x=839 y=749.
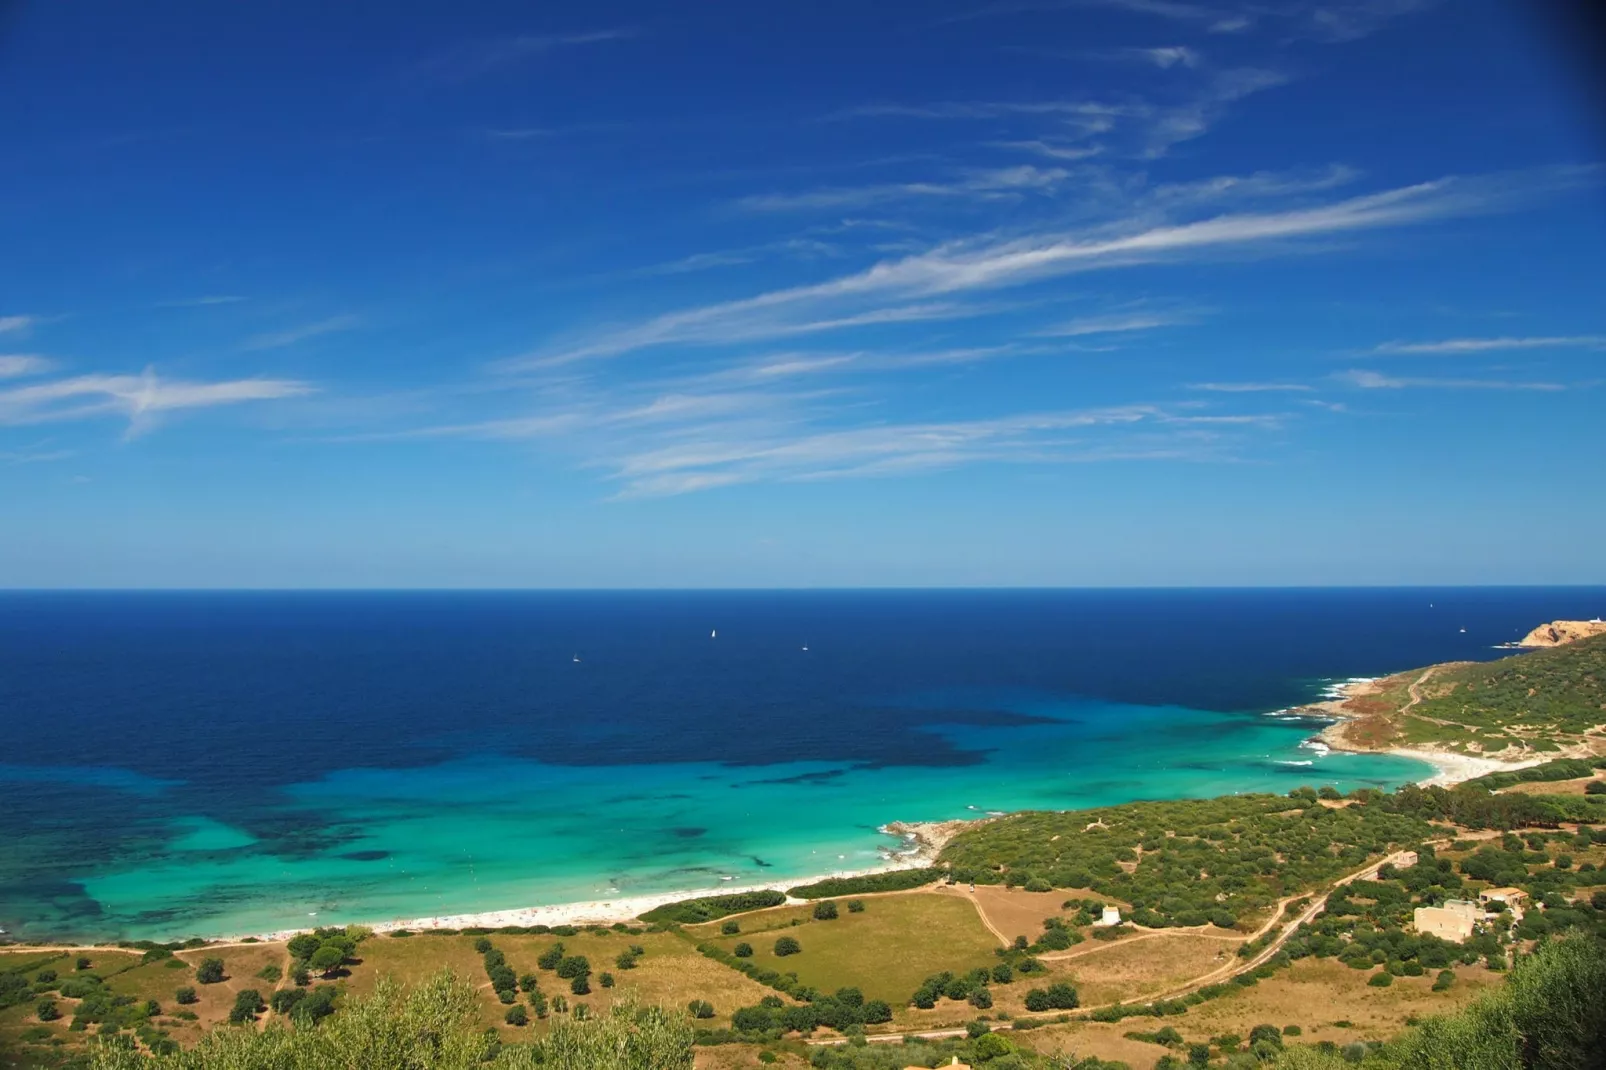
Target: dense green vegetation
x=713 y=907
x=896 y=880
x=1561 y=769
x=432 y=1027
x=1222 y=861
x=1192 y=862
x=771 y=1017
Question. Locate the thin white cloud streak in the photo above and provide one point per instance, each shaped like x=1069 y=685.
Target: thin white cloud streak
x=1113 y=324
x=986 y=109
x=1166 y=58
x=1048 y=437
x=1453 y=346
x=1370 y=380
x=987 y=185
x=21 y=457
x=280 y=339
x=16 y=324
x=1148 y=129
x=18 y=365
x=202 y=302
x=963 y=267
x=140 y=398
x=1327 y=21
x=1050 y=150
x=801 y=248
x=1250 y=388
x=471 y=60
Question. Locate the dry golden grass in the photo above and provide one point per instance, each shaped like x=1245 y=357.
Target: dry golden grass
x=1141 y=966
x=670 y=974
x=240 y=965
x=1312 y=994
x=1011 y=912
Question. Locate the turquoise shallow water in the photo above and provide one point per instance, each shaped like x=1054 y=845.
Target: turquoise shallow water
x=236 y=763
x=491 y=832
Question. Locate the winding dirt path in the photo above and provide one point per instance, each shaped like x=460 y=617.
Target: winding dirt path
x=1224 y=973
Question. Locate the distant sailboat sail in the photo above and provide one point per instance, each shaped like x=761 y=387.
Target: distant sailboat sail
x=714 y=634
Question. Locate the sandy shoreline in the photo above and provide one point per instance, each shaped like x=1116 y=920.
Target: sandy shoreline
x=922 y=841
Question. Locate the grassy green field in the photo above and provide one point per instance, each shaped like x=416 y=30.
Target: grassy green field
x=897 y=942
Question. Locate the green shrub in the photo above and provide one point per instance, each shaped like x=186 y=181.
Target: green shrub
x=713 y=907
x=896 y=880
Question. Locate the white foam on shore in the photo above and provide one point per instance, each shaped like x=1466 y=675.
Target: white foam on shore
x=1337 y=689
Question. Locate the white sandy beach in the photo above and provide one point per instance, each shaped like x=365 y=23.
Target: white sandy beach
x=923 y=840
x=1454 y=768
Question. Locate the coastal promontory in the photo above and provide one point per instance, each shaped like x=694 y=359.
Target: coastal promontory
x=1560 y=632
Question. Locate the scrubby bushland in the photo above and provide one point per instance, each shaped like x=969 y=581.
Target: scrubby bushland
x=434 y=1026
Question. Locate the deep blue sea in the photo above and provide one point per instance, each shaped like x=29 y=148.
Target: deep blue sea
x=181 y=763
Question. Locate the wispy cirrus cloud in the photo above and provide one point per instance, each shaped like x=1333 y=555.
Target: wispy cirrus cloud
x=720 y=459
x=1251 y=387
x=34 y=455
x=16 y=324
x=1371 y=380
x=1138 y=127
x=17 y=365
x=926 y=285
x=473 y=59
x=139 y=398
x=292 y=335
x=1114 y=323
x=983 y=184
x=1167 y=57
x=1452 y=346
x=793 y=248
x=202 y=302
x=1328 y=21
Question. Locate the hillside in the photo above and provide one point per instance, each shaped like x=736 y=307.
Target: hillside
x=1541 y=703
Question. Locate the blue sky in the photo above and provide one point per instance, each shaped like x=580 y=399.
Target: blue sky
x=1021 y=292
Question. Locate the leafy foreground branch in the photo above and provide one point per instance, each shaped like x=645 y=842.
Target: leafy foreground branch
x=431 y=1027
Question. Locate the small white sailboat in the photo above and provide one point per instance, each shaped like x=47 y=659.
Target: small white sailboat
x=714 y=634
x=805 y=648
x=1463 y=631
x=577 y=659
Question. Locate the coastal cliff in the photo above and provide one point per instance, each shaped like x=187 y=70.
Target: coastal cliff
x=1559 y=632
